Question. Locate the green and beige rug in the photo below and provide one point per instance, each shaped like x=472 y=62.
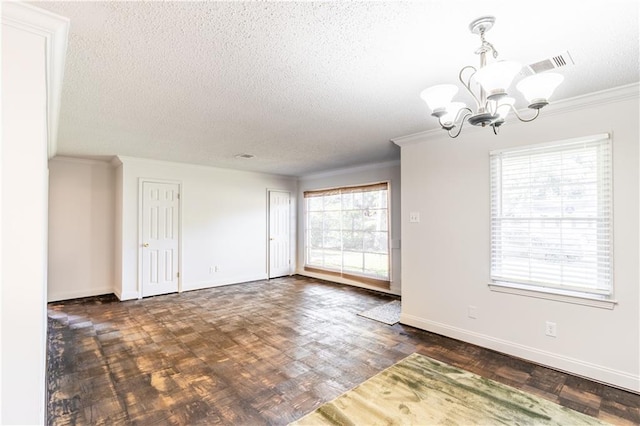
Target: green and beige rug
x=422 y=391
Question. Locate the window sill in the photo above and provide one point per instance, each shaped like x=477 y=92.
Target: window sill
x=384 y=284
x=574 y=297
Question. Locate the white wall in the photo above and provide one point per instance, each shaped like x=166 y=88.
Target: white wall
x=27 y=87
x=446 y=256
x=355 y=176
x=24 y=227
x=224 y=223
x=81 y=228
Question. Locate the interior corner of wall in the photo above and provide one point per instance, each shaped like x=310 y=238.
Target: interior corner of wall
x=126 y=295
x=118 y=293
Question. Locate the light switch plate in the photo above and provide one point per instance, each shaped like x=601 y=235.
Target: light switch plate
x=414 y=217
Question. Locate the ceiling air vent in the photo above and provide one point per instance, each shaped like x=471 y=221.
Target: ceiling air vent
x=245 y=156
x=554 y=62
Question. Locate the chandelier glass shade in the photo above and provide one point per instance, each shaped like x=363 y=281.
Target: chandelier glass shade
x=489 y=86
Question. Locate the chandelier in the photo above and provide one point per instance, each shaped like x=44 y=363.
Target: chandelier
x=490 y=82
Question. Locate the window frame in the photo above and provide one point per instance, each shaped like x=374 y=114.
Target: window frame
x=350 y=275
x=562 y=293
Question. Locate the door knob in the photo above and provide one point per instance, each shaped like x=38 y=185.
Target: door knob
x=145 y=245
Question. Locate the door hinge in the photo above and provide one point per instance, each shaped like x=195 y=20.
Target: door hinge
x=178 y=275
x=178 y=195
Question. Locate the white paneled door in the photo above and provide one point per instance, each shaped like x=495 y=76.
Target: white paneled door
x=160 y=239
x=279 y=237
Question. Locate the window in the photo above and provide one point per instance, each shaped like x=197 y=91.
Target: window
x=347 y=232
x=551 y=217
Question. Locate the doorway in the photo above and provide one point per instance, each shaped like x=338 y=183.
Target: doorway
x=279 y=234
x=160 y=239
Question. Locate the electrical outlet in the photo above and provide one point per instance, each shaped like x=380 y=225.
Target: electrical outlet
x=414 y=217
x=216 y=268
x=472 y=312
x=211 y=268
x=551 y=329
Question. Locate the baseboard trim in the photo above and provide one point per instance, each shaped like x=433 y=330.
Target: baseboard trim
x=591 y=371
x=228 y=281
x=130 y=295
x=77 y=294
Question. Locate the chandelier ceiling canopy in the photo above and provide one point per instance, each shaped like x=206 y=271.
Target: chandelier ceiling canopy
x=489 y=86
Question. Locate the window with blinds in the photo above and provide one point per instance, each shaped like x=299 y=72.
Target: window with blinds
x=551 y=217
x=347 y=232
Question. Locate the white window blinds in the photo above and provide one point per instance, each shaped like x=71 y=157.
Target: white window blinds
x=551 y=216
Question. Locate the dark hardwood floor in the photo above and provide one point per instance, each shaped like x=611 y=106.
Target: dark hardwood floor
x=264 y=352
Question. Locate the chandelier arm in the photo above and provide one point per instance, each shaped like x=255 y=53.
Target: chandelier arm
x=464 y=119
x=493 y=110
x=525 y=120
x=457 y=119
x=467 y=85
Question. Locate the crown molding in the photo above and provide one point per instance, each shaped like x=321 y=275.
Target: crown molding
x=348 y=170
x=116 y=161
x=616 y=94
x=89 y=160
x=127 y=160
x=55 y=31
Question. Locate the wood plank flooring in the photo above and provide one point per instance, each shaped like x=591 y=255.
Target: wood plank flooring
x=265 y=352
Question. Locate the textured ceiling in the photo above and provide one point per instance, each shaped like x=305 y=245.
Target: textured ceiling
x=303 y=86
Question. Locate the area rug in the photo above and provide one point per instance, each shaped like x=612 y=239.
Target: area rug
x=389 y=313
x=422 y=391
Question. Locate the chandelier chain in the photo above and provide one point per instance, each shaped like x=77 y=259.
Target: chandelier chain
x=485 y=46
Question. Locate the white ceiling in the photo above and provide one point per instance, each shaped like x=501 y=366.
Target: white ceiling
x=304 y=86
